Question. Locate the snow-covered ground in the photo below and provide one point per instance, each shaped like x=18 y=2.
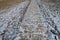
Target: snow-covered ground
x=30 y=20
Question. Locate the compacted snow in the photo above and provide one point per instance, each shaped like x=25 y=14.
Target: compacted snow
x=30 y=20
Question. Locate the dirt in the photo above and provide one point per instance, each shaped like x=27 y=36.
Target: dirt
x=6 y=3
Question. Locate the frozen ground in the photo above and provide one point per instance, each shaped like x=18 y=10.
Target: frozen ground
x=30 y=20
